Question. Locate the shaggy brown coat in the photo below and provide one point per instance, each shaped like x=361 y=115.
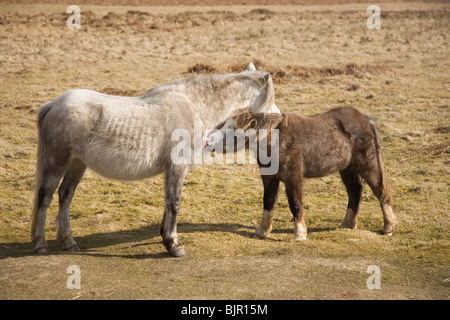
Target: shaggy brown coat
x=343 y=140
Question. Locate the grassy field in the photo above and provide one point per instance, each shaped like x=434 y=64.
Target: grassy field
x=320 y=57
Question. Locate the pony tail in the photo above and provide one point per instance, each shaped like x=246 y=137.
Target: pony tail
x=38 y=183
x=39 y=170
x=386 y=195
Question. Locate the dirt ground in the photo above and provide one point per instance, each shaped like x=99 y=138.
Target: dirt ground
x=320 y=57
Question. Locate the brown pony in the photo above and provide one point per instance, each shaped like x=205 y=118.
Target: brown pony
x=341 y=139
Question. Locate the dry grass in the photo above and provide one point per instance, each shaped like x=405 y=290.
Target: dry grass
x=319 y=60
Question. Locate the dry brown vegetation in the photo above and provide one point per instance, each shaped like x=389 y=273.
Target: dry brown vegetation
x=198 y=2
x=320 y=58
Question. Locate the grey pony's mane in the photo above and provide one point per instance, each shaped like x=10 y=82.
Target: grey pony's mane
x=221 y=80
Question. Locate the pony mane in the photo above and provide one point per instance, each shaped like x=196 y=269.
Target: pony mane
x=259 y=120
x=208 y=81
x=215 y=79
x=219 y=81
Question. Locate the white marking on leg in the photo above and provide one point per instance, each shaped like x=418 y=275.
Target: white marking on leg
x=349 y=220
x=265 y=227
x=300 y=230
x=389 y=219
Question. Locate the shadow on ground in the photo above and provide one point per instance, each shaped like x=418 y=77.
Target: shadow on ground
x=142 y=236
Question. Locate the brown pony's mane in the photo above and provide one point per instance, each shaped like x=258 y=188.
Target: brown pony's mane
x=259 y=120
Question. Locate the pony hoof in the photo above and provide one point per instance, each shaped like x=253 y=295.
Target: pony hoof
x=257 y=236
x=177 y=252
x=388 y=230
x=41 y=251
x=345 y=225
x=73 y=248
x=261 y=233
x=300 y=237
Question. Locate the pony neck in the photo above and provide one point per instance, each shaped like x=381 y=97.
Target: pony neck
x=219 y=96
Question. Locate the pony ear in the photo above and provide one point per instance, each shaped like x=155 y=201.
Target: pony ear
x=251 y=67
x=265 y=78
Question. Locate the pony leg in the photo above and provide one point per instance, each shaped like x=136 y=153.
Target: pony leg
x=375 y=177
x=354 y=189
x=50 y=182
x=271 y=186
x=66 y=191
x=294 y=194
x=173 y=185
